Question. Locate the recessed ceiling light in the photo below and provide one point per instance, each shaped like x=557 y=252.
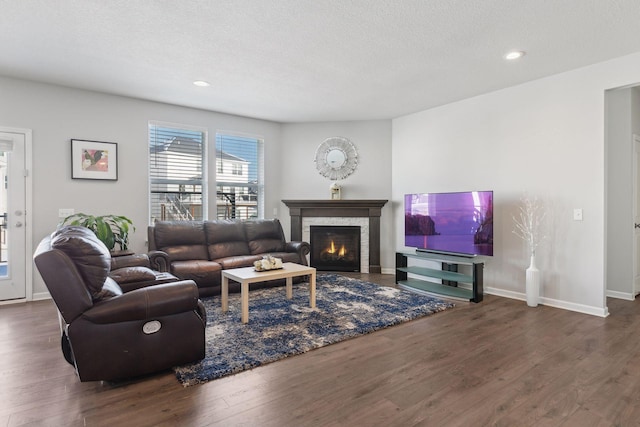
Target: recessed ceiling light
x=201 y=83
x=514 y=54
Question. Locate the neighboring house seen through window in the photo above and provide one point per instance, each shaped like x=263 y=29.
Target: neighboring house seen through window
x=176 y=170
x=239 y=177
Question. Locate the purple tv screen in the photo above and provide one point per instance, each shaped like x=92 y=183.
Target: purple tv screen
x=457 y=223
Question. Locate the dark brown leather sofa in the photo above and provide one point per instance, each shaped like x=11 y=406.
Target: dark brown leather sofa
x=108 y=333
x=200 y=250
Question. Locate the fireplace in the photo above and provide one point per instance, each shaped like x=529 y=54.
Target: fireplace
x=365 y=213
x=335 y=248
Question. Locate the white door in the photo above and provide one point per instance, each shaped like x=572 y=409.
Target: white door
x=13 y=241
x=636 y=214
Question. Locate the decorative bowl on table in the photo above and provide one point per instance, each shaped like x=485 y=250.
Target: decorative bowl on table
x=268 y=263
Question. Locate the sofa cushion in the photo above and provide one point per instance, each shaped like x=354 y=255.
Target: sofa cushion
x=181 y=240
x=204 y=273
x=90 y=256
x=226 y=238
x=264 y=236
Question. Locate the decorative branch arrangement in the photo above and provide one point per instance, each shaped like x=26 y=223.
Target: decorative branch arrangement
x=529 y=221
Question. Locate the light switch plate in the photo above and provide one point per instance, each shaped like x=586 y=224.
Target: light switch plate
x=577 y=214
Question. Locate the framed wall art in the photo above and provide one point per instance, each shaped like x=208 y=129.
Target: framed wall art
x=94 y=160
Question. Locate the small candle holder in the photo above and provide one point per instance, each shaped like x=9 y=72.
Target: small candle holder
x=335 y=191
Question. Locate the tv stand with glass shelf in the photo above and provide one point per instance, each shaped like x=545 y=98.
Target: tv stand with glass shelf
x=448 y=275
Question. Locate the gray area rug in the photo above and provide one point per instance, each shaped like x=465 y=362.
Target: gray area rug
x=278 y=327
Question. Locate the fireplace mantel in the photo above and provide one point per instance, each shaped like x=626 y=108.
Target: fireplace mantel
x=371 y=209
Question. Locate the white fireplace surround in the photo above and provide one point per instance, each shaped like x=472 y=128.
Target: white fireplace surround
x=363 y=223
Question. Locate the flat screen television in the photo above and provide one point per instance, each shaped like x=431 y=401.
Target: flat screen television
x=450 y=223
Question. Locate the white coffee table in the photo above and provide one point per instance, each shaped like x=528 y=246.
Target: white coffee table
x=248 y=275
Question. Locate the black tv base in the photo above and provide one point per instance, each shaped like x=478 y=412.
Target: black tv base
x=446 y=278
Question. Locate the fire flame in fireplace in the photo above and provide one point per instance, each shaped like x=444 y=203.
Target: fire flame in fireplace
x=333 y=251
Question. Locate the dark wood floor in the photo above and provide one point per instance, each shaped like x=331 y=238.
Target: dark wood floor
x=494 y=363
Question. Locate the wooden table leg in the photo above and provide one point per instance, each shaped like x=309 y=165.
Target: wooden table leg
x=312 y=290
x=225 y=294
x=244 y=296
x=289 y=287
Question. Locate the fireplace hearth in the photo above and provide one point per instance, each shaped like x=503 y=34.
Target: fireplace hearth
x=335 y=248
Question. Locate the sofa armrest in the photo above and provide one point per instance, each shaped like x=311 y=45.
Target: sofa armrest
x=302 y=248
x=135 y=260
x=160 y=261
x=202 y=311
x=146 y=303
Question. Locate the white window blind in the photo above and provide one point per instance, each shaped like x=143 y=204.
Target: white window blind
x=176 y=170
x=239 y=177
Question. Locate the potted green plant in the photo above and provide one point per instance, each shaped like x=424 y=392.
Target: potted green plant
x=110 y=229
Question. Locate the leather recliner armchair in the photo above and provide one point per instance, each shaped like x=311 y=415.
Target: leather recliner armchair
x=108 y=334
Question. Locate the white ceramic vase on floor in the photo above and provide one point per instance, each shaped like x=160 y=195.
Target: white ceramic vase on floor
x=533 y=283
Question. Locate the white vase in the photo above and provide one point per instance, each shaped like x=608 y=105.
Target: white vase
x=533 y=283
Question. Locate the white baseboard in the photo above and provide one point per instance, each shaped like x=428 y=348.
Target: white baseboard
x=621 y=295
x=506 y=294
x=41 y=296
x=580 y=308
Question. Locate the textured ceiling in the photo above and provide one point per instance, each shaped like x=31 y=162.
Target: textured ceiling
x=308 y=60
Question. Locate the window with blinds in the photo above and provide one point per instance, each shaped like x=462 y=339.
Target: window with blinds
x=176 y=173
x=239 y=177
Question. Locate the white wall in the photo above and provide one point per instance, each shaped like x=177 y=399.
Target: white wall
x=545 y=137
x=371 y=180
x=620 y=122
x=635 y=110
x=58 y=114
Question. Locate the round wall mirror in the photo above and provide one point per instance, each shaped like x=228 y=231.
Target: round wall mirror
x=336 y=158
